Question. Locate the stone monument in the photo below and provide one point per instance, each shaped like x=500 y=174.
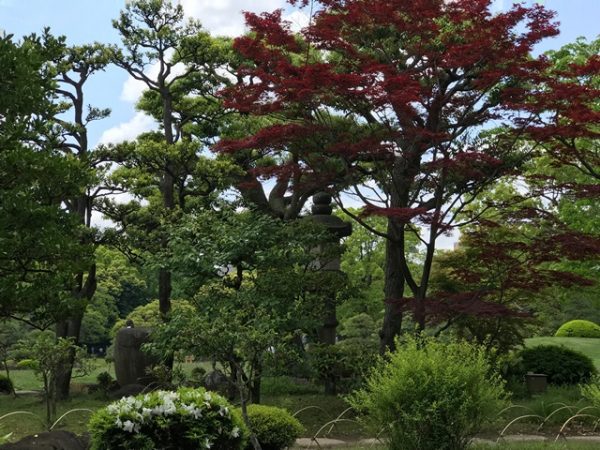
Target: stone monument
x=131 y=363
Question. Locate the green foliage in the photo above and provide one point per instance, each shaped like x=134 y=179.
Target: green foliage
x=275 y=428
x=591 y=391
x=579 y=328
x=287 y=386
x=106 y=383
x=345 y=363
x=363 y=261
x=187 y=418
x=360 y=326
x=6 y=385
x=148 y=315
x=431 y=395
x=560 y=364
x=41 y=245
x=255 y=288
x=50 y=358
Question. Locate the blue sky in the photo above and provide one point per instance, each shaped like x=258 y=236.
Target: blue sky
x=85 y=21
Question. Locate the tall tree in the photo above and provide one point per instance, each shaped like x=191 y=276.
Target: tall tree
x=40 y=242
x=179 y=64
x=75 y=67
x=393 y=93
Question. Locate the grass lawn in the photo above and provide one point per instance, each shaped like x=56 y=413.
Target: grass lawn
x=587 y=346
x=22 y=425
x=25 y=379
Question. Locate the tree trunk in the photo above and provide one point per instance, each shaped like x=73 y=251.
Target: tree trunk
x=241 y=385
x=167 y=189
x=256 y=382
x=393 y=290
x=69 y=328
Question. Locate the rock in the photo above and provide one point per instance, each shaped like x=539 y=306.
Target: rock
x=216 y=381
x=131 y=363
x=53 y=440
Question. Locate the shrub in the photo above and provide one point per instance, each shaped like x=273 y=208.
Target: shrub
x=275 y=428
x=187 y=418
x=579 y=328
x=433 y=395
x=6 y=385
x=345 y=363
x=591 y=391
x=562 y=365
x=106 y=383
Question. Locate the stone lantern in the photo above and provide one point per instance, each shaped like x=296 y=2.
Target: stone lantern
x=338 y=228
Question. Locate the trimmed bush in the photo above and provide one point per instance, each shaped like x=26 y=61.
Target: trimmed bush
x=275 y=428
x=579 y=328
x=562 y=365
x=188 y=418
x=6 y=385
x=430 y=395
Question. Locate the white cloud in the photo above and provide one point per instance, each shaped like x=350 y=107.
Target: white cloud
x=128 y=131
x=132 y=88
x=298 y=20
x=224 y=17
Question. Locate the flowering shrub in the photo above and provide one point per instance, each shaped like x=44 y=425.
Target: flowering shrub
x=188 y=418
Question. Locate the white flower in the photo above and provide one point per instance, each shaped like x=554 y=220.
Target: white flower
x=207 y=397
x=224 y=411
x=118 y=423
x=169 y=408
x=189 y=408
x=146 y=412
x=235 y=432
x=207 y=443
x=128 y=426
x=112 y=408
x=158 y=410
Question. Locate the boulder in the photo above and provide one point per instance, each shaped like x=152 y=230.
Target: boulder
x=216 y=381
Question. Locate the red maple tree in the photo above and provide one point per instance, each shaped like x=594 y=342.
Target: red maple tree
x=388 y=99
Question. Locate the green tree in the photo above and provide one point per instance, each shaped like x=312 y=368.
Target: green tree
x=75 y=67
x=166 y=168
x=253 y=294
x=41 y=244
x=49 y=358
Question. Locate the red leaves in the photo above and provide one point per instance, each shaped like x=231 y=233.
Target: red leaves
x=403 y=215
x=449 y=306
x=274 y=137
x=272 y=29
